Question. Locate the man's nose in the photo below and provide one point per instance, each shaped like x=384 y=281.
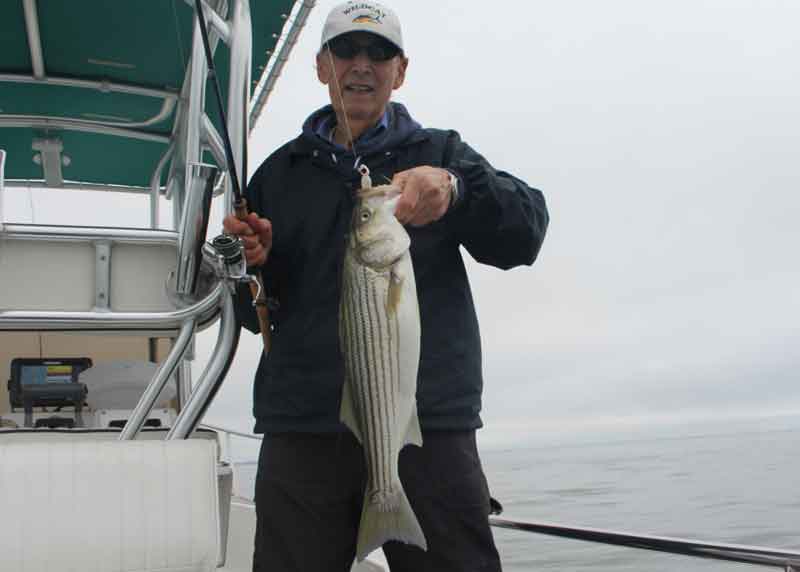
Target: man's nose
x=361 y=61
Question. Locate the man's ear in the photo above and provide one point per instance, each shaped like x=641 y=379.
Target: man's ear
x=323 y=69
x=401 y=72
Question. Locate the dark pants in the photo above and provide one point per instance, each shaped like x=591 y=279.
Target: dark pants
x=310 y=488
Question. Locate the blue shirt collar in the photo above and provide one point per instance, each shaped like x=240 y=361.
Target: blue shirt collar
x=325 y=130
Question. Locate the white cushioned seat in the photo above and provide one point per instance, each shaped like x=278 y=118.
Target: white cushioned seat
x=93 y=506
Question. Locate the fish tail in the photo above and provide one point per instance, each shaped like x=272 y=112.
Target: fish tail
x=381 y=523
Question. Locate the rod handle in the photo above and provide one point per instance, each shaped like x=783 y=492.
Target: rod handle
x=256 y=289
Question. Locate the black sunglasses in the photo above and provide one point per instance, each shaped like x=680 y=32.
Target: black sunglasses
x=377 y=50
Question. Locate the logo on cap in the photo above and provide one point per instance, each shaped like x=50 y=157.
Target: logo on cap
x=367 y=19
x=373 y=15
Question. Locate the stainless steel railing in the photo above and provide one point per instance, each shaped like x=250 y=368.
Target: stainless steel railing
x=212 y=376
x=220 y=429
x=203 y=311
x=2 y=184
x=786 y=559
x=279 y=57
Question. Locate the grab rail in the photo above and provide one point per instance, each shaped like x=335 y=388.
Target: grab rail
x=165 y=370
x=786 y=559
x=279 y=57
x=2 y=183
x=232 y=432
x=102 y=321
x=66 y=233
x=208 y=384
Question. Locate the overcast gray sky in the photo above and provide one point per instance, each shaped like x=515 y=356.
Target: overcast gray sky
x=665 y=137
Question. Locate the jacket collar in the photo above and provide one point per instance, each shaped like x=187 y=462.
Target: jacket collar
x=403 y=131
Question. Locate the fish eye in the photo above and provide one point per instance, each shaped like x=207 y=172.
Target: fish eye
x=365 y=215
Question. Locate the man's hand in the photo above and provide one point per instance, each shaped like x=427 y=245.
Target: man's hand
x=426 y=195
x=256 y=235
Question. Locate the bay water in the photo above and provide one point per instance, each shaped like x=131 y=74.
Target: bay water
x=733 y=482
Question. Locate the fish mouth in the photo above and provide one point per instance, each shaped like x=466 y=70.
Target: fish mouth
x=377 y=253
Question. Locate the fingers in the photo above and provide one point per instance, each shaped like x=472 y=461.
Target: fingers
x=400 y=178
x=255 y=234
x=409 y=197
x=262 y=227
x=233 y=225
x=425 y=195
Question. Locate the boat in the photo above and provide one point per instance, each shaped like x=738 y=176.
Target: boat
x=104 y=465
x=105 y=462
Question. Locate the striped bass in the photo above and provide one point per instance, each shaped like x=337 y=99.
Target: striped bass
x=379 y=331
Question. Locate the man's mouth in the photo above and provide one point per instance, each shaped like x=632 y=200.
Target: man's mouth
x=359 y=88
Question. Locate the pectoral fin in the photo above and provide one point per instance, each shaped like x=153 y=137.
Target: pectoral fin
x=347 y=411
x=395 y=292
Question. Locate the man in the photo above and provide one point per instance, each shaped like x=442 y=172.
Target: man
x=311 y=476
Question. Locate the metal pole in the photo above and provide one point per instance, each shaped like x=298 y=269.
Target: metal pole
x=212 y=75
x=240 y=73
x=152 y=350
x=193 y=227
x=155 y=186
x=184 y=381
x=239 y=92
x=195 y=406
x=34 y=37
x=2 y=186
x=52 y=122
x=148 y=321
x=156 y=385
x=279 y=59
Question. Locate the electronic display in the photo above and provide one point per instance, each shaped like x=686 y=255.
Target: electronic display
x=46 y=374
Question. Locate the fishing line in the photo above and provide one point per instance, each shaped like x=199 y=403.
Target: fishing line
x=212 y=75
x=338 y=88
x=257 y=289
x=178 y=34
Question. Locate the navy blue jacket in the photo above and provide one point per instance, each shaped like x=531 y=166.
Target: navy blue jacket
x=306 y=189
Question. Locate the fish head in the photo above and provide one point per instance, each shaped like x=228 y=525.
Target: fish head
x=377 y=237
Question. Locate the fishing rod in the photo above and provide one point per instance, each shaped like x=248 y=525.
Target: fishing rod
x=212 y=74
x=787 y=559
x=239 y=202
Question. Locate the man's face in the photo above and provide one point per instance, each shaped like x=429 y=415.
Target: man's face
x=360 y=82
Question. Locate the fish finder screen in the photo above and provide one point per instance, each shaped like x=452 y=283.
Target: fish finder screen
x=46 y=374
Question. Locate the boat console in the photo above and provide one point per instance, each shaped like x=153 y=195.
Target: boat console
x=74 y=393
x=43 y=383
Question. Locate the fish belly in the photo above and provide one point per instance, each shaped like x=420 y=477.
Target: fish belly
x=380 y=338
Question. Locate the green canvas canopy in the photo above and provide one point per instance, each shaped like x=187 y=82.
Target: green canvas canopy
x=94 y=84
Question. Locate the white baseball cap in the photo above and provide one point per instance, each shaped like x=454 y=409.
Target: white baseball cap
x=356 y=16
